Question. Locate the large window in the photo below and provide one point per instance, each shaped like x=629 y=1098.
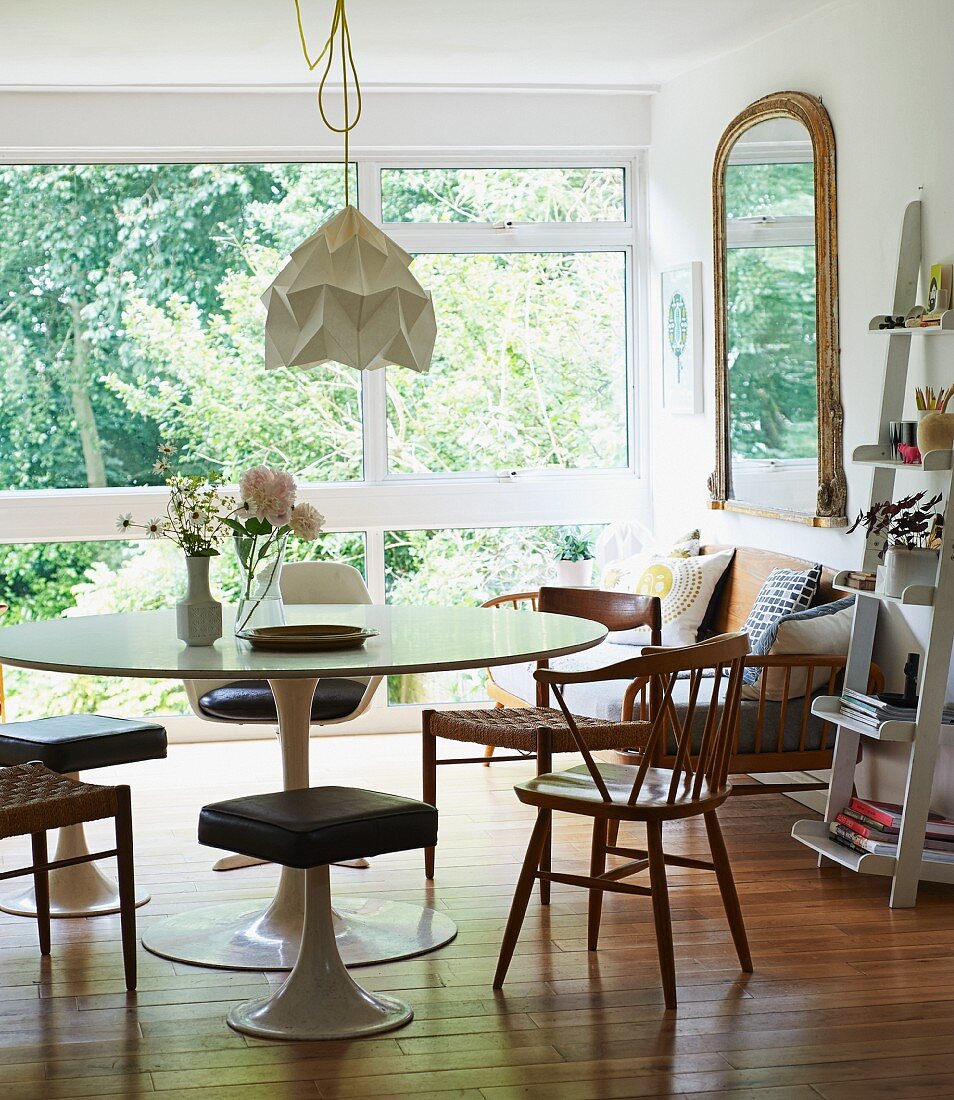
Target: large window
x=130 y=315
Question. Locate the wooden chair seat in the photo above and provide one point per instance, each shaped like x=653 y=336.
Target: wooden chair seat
x=573 y=789
x=518 y=729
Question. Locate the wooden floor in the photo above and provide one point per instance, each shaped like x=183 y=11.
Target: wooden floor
x=848 y=1000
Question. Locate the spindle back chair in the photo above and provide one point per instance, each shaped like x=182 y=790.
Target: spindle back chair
x=696 y=784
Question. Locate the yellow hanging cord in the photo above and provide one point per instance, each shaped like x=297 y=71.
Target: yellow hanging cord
x=339 y=31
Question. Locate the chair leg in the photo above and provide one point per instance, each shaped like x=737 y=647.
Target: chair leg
x=661 y=917
x=612 y=832
x=127 y=884
x=41 y=889
x=521 y=896
x=545 y=765
x=429 y=764
x=488 y=753
x=597 y=867
x=730 y=898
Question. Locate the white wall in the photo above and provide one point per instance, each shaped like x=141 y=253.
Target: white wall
x=254 y=119
x=889 y=91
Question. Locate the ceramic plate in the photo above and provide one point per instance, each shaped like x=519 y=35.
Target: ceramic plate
x=308 y=637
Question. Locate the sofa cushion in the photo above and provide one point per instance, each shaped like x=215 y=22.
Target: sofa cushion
x=785 y=591
x=684 y=585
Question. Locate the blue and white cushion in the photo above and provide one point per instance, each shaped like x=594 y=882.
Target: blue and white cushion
x=785 y=591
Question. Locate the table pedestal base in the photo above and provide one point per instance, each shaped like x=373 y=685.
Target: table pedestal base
x=78 y=891
x=320 y=999
x=244 y=935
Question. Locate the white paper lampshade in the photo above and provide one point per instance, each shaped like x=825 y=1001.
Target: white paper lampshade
x=346 y=295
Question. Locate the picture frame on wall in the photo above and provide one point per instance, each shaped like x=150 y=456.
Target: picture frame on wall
x=681 y=320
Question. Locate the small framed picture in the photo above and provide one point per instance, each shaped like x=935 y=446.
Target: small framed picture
x=682 y=339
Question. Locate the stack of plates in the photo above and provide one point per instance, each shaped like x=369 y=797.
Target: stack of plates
x=307 y=638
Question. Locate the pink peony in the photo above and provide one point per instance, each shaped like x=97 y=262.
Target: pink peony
x=269 y=495
x=306 y=522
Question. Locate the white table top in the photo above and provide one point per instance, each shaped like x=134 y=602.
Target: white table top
x=411 y=639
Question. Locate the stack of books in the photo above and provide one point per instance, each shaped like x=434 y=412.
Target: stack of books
x=870 y=710
x=866 y=826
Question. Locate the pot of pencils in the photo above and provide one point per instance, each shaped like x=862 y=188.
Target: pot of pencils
x=936 y=424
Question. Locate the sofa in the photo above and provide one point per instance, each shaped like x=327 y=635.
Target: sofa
x=776 y=730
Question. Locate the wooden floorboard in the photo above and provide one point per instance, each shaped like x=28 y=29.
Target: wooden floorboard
x=849 y=1000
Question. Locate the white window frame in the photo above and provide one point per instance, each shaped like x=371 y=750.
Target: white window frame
x=384 y=501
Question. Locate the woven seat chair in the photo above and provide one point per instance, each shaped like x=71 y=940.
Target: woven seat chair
x=696 y=784
x=538 y=732
x=34 y=800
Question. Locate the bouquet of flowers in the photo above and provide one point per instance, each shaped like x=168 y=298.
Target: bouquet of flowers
x=261 y=525
x=196 y=515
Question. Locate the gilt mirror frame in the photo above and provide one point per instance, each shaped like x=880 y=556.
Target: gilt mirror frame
x=832 y=496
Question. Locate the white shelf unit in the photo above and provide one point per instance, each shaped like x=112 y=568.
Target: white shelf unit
x=945 y=327
x=915 y=595
x=925 y=734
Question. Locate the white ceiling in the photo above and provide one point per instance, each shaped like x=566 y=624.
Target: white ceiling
x=416 y=42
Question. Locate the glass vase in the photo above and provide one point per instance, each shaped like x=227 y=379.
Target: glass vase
x=260 y=567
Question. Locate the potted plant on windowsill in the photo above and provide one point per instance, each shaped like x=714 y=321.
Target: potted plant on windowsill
x=909 y=533
x=574 y=561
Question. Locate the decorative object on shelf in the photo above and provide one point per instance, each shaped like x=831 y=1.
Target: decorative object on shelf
x=892 y=322
x=936 y=432
x=863 y=582
x=908 y=699
x=902 y=431
x=939 y=289
x=929 y=400
x=909 y=455
x=195 y=521
x=261 y=525
x=682 y=339
x=912 y=319
x=908 y=530
x=346 y=294
x=574 y=561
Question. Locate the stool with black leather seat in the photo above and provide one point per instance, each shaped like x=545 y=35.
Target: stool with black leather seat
x=310 y=829
x=69 y=744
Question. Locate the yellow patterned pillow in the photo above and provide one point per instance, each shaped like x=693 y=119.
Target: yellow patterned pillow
x=684 y=587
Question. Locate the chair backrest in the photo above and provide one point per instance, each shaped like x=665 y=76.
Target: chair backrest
x=742 y=581
x=725 y=655
x=323 y=582
x=614 y=610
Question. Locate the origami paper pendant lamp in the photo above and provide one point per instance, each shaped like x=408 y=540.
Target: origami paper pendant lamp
x=347 y=295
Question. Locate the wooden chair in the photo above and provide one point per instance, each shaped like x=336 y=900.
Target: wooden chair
x=538 y=732
x=622 y=792
x=34 y=800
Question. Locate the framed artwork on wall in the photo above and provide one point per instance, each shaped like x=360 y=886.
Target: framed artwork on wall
x=682 y=339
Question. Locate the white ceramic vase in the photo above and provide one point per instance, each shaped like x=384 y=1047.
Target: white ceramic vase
x=574 y=574
x=904 y=567
x=198 y=616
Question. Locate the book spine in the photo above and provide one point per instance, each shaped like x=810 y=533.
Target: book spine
x=848 y=844
x=882 y=817
x=860 y=843
x=856 y=815
x=865 y=830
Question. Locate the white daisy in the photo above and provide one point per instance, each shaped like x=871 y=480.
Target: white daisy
x=124 y=522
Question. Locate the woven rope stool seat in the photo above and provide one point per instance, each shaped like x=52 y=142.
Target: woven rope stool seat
x=71 y=743
x=309 y=829
x=516 y=728
x=34 y=799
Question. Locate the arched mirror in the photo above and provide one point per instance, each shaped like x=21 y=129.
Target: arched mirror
x=778 y=391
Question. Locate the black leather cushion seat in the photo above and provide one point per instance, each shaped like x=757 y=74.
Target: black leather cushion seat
x=252 y=701
x=309 y=828
x=75 y=742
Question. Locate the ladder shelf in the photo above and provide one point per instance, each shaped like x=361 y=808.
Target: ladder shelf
x=926 y=733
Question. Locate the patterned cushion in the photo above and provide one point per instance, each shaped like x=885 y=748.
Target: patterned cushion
x=785 y=591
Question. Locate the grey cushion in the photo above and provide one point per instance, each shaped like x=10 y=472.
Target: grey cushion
x=308 y=828
x=76 y=742
x=605 y=699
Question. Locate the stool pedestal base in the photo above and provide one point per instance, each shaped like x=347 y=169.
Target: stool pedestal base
x=320 y=999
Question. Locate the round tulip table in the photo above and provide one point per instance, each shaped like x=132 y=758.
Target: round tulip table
x=253 y=935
